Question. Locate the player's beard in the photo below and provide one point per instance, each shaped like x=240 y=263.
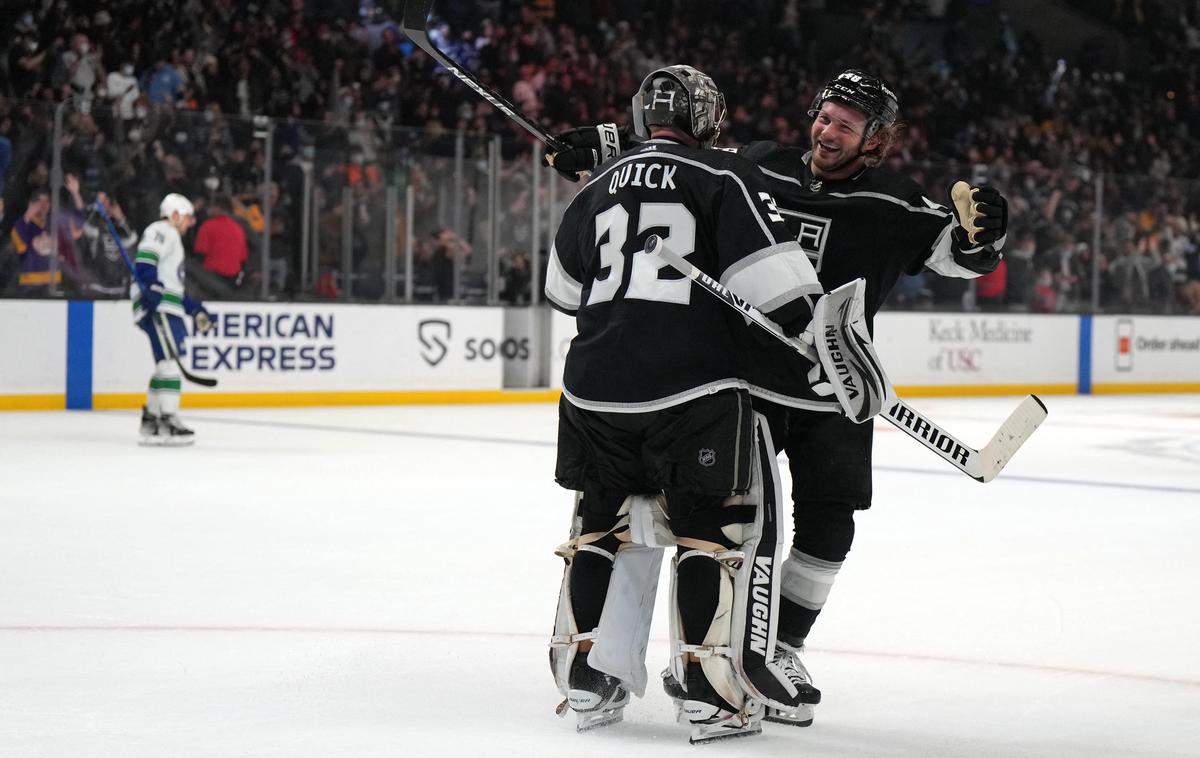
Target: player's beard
x=843 y=158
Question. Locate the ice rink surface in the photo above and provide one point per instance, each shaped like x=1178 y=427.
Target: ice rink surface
x=381 y=582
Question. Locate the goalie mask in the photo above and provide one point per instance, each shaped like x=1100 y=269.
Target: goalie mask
x=865 y=93
x=683 y=98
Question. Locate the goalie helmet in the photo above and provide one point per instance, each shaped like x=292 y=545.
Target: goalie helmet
x=173 y=203
x=679 y=97
x=862 y=92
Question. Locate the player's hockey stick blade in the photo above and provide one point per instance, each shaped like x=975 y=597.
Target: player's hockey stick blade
x=416 y=18
x=160 y=328
x=982 y=465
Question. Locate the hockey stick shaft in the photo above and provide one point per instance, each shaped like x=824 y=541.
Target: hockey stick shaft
x=982 y=465
x=416 y=17
x=163 y=330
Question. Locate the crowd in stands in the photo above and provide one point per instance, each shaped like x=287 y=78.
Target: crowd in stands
x=169 y=96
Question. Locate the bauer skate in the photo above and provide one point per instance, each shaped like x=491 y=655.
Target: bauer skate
x=787 y=658
x=148 y=434
x=711 y=717
x=676 y=691
x=597 y=698
x=172 y=432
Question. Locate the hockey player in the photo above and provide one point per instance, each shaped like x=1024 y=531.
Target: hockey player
x=854 y=220
x=656 y=431
x=158 y=311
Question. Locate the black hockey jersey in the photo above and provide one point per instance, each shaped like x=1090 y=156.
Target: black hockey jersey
x=647 y=339
x=876 y=225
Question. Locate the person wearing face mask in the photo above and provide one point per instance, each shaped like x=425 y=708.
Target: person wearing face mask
x=854 y=219
x=122 y=89
x=82 y=66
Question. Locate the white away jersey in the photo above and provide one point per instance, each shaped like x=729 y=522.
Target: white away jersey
x=161 y=247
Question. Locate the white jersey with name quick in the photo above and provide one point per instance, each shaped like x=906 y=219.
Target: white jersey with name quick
x=161 y=247
x=647 y=338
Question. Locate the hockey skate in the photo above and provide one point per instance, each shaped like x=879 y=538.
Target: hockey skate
x=597 y=698
x=172 y=432
x=148 y=434
x=676 y=691
x=787 y=657
x=711 y=717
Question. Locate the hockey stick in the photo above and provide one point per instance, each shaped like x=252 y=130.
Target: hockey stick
x=416 y=16
x=160 y=328
x=981 y=465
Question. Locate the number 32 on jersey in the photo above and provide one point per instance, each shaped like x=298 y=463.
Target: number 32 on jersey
x=671 y=221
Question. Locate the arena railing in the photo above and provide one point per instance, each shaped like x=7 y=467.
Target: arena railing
x=355 y=209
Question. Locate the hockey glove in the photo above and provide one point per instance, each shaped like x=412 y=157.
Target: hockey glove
x=152 y=296
x=982 y=214
x=589 y=147
x=204 y=320
x=982 y=224
x=818 y=382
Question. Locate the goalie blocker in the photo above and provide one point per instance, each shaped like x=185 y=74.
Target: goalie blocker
x=847 y=355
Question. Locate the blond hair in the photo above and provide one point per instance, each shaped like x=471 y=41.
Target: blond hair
x=888 y=137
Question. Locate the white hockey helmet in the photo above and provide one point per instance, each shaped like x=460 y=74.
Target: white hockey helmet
x=173 y=203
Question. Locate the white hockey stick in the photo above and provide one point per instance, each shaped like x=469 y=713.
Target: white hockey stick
x=981 y=465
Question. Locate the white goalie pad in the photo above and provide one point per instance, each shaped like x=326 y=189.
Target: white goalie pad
x=624 y=632
x=620 y=640
x=839 y=328
x=564 y=643
x=739 y=648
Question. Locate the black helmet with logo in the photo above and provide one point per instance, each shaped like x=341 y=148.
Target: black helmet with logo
x=863 y=92
x=679 y=97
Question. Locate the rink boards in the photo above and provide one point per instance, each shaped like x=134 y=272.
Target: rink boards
x=90 y=355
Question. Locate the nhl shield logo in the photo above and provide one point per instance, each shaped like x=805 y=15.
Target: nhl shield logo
x=707 y=457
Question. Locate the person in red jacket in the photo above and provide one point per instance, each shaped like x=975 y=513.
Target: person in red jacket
x=221 y=242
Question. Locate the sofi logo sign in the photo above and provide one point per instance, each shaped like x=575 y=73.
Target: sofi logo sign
x=437 y=339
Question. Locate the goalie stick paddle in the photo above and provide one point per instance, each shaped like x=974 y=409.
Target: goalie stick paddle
x=416 y=18
x=981 y=464
x=163 y=331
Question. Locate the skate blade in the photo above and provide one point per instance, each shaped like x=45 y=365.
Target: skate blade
x=788 y=721
x=178 y=441
x=701 y=734
x=680 y=716
x=585 y=722
x=150 y=442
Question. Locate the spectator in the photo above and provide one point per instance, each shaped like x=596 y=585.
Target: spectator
x=221 y=242
x=991 y=288
x=440 y=257
x=31 y=241
x=1019 y=258
x=517 y=279
x=26 y=58
x=103 y=272
x=121 y=88
x=81 y=66
x=1045 y=294
x=165 y=85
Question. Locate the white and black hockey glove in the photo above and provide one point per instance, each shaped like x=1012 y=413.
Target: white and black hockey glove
x=589 y=147
x=981 y=214
x=204 y=321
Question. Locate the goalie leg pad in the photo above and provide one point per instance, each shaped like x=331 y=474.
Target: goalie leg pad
x=738 y=647
x=607 y=594
x=847 y=356
x=624 y=631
